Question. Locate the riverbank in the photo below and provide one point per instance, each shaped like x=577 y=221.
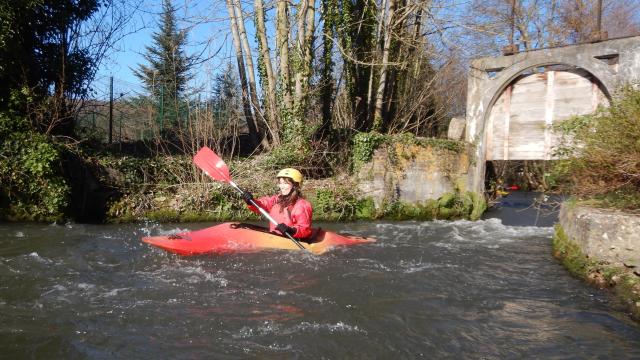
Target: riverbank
x=603 y=248
x=333 y=199
x=401 y=177
x=391 y=178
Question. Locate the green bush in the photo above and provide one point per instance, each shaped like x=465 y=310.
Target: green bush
x=449 y=206
x=335 y=204
x=31 y=184
x=135 y=172
x=600 y=154
x=286 y=155
x=399 y=210
x=458 y=205
x=366 y=209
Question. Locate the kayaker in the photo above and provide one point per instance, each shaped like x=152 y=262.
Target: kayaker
x=289 y=208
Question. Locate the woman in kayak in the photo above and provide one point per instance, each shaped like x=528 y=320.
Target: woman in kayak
x=292 y=212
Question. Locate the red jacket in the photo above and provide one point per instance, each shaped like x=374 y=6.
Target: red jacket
x=297 y=215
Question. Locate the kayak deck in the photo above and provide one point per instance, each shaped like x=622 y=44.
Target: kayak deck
x=238 y=237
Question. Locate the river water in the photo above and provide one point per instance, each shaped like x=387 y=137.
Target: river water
x=425 y=290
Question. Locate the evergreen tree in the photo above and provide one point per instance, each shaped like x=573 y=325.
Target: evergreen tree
x=42 y=58
x=168 y=69
x=226 y=96
x=47 y=59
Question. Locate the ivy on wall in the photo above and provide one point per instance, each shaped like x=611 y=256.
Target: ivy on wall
x=366 y=143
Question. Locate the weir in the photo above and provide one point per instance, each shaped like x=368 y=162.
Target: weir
x=512 y=101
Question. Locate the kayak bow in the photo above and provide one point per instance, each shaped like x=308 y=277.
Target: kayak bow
x=237 y=237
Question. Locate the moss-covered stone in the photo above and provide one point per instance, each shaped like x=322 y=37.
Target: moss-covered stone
x=407 y=169
x=479 y=206
x=365 y=144
x=450 y=206
x=623 y=282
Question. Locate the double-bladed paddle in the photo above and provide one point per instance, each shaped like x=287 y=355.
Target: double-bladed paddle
x=214 y=166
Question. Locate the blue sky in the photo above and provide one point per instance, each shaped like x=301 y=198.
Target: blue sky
x=209 y=38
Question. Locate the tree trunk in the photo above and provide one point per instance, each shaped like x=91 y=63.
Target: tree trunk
x=300 y=50
x=253 y=91
x=418 y=23
x=358 y=35
x=282 y=46
x=521 y=24
x=328 y=18
x=415 y=43
x=270 y=92
x=377 y=118
x=308 y=44
x=304 y=48
x=376 y=57
x=251 y=125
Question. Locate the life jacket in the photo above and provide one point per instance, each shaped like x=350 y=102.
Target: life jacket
x=298 y=216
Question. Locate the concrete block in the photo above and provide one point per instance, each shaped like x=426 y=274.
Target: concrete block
x=608 y=235
x=456 y=128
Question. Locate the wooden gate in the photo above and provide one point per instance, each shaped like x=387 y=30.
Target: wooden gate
x=518 y=126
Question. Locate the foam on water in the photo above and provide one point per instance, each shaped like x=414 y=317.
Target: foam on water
x=314 y=328
x=441 y=288
x=338 y=327
x=203 y=275
x=114 y=292
x=39 y=259
x=413 y=266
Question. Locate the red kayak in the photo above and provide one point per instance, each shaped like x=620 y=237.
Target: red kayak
x=237 y=237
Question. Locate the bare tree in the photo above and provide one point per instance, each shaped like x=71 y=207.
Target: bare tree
x=235 y=31
x=579 y=19
x=270 y=79
x=388 y=33
x=246 y=51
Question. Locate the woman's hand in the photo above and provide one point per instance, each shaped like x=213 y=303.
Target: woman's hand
x=248 y=197
x=284 y=229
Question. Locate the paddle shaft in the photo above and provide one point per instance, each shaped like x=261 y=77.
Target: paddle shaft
x=266 y=215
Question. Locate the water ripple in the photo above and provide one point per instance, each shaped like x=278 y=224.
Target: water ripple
x=439 y=289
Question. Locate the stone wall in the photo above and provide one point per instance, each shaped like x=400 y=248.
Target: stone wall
x=606 y=235
x=412 y=174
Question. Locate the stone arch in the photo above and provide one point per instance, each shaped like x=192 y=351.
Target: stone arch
x=609 y=63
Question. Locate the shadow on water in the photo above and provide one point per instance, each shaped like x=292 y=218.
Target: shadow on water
x=526 y=208
x=461 y=289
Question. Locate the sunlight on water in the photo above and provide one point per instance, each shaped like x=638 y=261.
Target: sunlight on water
x=425 y=289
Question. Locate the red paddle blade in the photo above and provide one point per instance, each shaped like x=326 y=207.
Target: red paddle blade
x=212 y=164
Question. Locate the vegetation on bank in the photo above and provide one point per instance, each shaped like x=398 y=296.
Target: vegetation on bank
x=600 y=163
x=329 y=205
x=172 y=189
x=623 y=282
x=33 y=187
